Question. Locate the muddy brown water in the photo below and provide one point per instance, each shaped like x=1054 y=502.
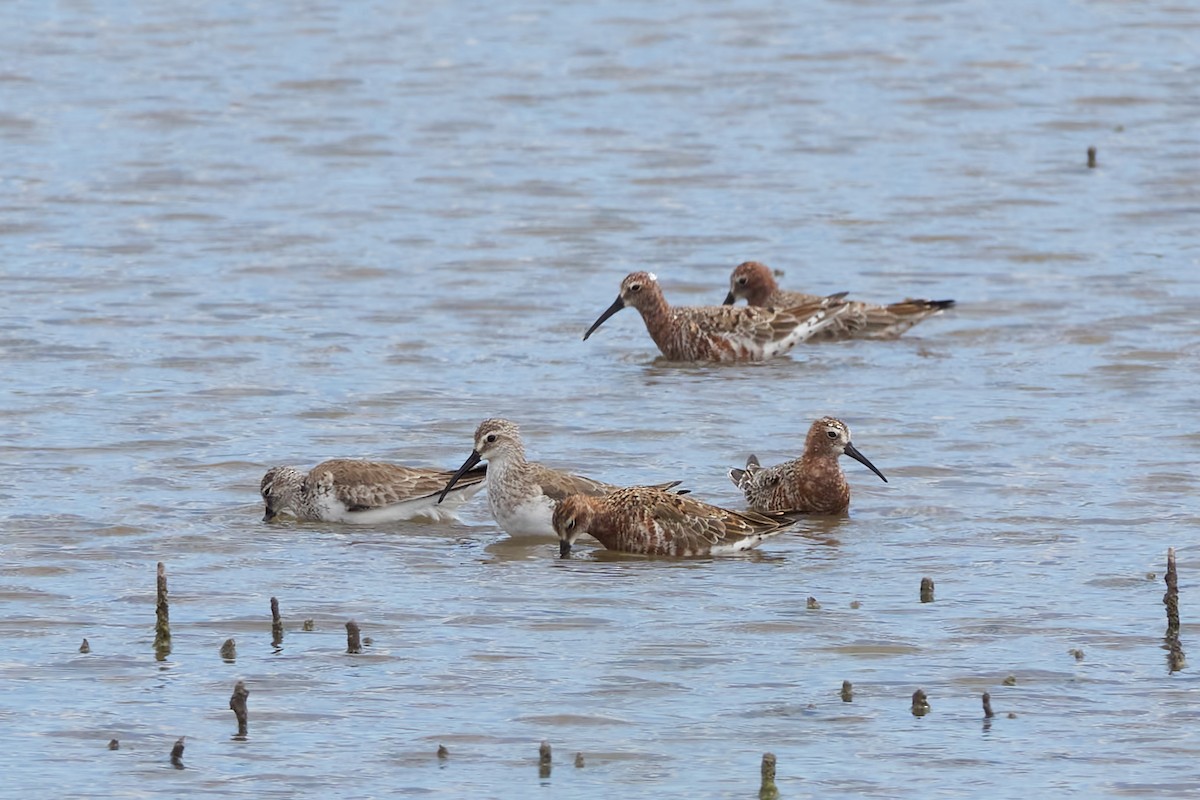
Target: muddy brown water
x=241 y=236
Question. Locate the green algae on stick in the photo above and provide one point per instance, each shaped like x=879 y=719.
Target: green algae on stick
x=767 y=790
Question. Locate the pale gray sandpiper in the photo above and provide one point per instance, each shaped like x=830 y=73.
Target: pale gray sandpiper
x=364 y=492
x=522 y=494
x=755 y=282
x=649 y=521
x=719 y=333
x=813 y=483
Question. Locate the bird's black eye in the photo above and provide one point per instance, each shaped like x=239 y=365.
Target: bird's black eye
x=491 y=437
x=635 y=287
x=742 y=281
x=831 y=434
x=570 y=524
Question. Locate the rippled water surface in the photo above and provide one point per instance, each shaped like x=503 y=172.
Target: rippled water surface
x=236 y=236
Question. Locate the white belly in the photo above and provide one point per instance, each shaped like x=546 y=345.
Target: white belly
x=528 y=517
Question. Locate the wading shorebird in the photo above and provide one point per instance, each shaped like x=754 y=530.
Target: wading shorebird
x=813 y=483
x=756 y=283
x=720 y=333
x=363 y=492
x=648 y=521
x=522 y=494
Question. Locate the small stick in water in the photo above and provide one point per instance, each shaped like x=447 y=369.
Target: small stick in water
x=767 y=790
x=162 y=625
x=920 y=703
x=1092 y=157
x=229 y=650
x=1171 y=598
x=544 y=759
x=177 y=754
x=987 y=706
x=1175 y=658
x=847 y=692
x=812 y=604
x=85 y=647
x=353 y=643
x=926 y=590
x=309 y=625
x=237 y=704
x=1077 y=653
x=442 y=751
x=579 y=761
x=1010 y=680
x=276 y=624
x=113 y=744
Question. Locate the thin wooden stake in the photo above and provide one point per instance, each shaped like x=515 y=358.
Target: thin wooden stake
x=767 y=790
x=162 y=625
x=237 y=704
x=927 y=590
x=1175 y=657
x=920 y=703
x=276 y=624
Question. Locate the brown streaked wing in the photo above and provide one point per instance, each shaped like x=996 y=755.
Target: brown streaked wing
x=556 y=485
x=779 y=323
x=691 y=520
x=785 y=299
x=362 y=485
x=765 y=479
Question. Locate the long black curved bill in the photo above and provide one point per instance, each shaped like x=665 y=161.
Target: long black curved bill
x=729 y=299
x=852 y=451
x=617 y=305
x=564 y=548
x=471 y=461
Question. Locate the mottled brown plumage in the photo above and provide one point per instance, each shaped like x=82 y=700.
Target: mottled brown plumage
x=719 y=333
x=813 y=483
x=521 y=493
x=364 y=492
x=651 y=521
x=756 y=283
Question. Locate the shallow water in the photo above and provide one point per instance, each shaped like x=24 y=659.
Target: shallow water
x=235 y=238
